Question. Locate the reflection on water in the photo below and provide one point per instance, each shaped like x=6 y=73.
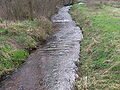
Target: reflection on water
x=53 y=66
x=81 y=3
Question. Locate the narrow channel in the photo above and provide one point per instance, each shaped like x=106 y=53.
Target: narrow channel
x=52 y=67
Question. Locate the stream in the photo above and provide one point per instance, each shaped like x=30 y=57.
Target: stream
x=52 y=67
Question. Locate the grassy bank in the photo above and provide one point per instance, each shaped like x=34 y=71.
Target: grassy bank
x=99 y=66
x=19 y=37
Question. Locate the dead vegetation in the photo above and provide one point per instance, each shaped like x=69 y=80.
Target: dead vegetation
x=27 y=9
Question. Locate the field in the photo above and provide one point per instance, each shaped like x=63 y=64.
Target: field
x=99 y=66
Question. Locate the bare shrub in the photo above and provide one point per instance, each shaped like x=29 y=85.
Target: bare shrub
x=28 y=9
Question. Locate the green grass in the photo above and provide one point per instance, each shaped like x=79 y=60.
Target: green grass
x=99 y=66
x=17 y=38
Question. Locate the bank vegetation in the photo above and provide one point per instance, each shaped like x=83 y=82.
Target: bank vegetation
x=24 y=24
x=99 y=66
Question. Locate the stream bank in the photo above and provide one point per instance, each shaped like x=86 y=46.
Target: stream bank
x=99 y=66
x=52 y=67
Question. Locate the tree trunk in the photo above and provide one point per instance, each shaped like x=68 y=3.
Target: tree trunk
x=31 y=9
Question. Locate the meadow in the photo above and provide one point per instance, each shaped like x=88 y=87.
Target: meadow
x=99 y=66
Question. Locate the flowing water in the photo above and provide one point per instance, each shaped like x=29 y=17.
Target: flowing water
x=52 y=67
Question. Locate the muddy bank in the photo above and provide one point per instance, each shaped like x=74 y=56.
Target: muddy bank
x=52 y=67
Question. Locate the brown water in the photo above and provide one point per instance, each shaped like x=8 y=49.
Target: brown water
x=52 y=67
